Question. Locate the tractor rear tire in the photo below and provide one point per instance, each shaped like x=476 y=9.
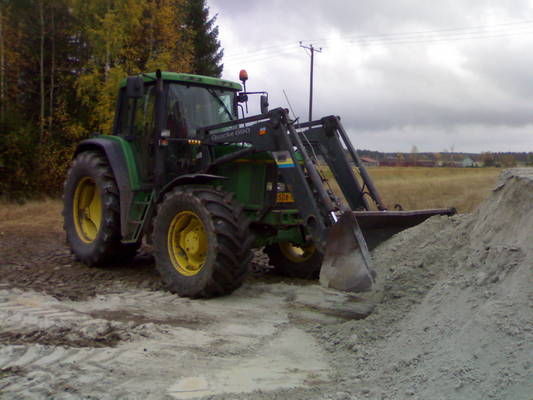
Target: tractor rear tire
x=294 y=261
x=201 y=242
x=91 y=212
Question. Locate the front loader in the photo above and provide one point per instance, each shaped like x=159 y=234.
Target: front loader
x=204 y=186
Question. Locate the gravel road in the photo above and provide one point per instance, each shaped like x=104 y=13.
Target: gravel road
x=450 y=318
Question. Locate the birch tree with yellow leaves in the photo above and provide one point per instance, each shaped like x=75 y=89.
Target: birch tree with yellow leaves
x=60 y=65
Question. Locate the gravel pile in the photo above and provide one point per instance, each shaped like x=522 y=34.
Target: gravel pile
x=454 y=314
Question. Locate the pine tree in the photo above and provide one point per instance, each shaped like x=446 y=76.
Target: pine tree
x=162 y=42
x=206 y=46
x=60 y=65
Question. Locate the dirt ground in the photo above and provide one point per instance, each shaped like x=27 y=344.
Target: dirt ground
x=450 y=318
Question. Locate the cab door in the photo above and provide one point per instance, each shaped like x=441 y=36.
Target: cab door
x=136 y=123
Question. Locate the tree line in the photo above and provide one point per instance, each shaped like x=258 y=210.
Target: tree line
x=60 y=65
x=486 y=159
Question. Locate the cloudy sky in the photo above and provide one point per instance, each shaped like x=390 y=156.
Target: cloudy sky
x=441 y=75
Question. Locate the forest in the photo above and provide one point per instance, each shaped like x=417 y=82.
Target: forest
x=60 y=65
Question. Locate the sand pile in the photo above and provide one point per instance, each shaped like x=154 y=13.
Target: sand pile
x=454 y=319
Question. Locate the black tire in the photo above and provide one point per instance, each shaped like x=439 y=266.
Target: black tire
x=222 y=252
x=102 y=246
x=306 y=266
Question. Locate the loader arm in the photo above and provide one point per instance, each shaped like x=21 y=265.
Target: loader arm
x=332 y=224
x=327 y=137
x=273 y=133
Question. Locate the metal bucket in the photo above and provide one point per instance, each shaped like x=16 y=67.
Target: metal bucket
x=347 y=264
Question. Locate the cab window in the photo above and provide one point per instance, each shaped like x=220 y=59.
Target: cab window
x=192 y=107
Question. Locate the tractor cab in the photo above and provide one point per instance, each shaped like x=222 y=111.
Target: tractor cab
x=169 y=110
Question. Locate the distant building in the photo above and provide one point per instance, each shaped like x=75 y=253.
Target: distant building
x=468 y=162
x=369 y=162
x=388 y=162
x=424 y=163
x=392 y=162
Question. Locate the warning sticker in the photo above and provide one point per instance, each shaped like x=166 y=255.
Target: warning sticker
x=284 y=197
x=283 y=159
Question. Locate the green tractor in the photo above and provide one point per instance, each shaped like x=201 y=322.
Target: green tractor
x=205 y=187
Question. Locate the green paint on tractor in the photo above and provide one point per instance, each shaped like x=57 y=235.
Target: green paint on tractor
x=183 y=170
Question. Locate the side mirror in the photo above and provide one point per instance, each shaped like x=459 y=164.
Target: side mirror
x=264 y=104
x=135 y=87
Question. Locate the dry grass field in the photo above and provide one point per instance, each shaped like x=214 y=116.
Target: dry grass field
x=413 y=188
x=419 y=187
x=34 y=216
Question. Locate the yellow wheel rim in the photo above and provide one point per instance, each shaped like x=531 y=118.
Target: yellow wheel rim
x=87 y=209
x=297 y=254
x=187 y=243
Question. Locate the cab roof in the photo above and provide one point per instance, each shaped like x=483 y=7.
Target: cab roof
x=190 y=78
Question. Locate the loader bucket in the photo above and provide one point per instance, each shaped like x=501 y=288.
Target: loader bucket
x=378 y=226
x=347 y=265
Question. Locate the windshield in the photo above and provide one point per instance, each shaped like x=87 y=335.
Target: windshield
x=190 y=108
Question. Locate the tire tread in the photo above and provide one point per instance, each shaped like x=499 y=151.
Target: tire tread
x=230 y=227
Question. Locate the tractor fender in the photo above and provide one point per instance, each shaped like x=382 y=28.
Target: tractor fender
x=187 y=179
x=114 y=153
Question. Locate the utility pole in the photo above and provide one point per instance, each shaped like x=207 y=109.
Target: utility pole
x=312 y=49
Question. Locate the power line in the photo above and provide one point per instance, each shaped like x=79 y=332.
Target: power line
x=275 y=47
x=397 y=35
x=476 y=29
x=415 y=37
x=262 y=56
x=276 y=54
x=438 y=38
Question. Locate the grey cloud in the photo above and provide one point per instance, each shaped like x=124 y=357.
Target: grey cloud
x=399 y=94
x=504 y=66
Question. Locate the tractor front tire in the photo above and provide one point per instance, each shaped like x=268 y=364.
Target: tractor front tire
x=91 y=212
x=294 y=261
x=201 y=242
